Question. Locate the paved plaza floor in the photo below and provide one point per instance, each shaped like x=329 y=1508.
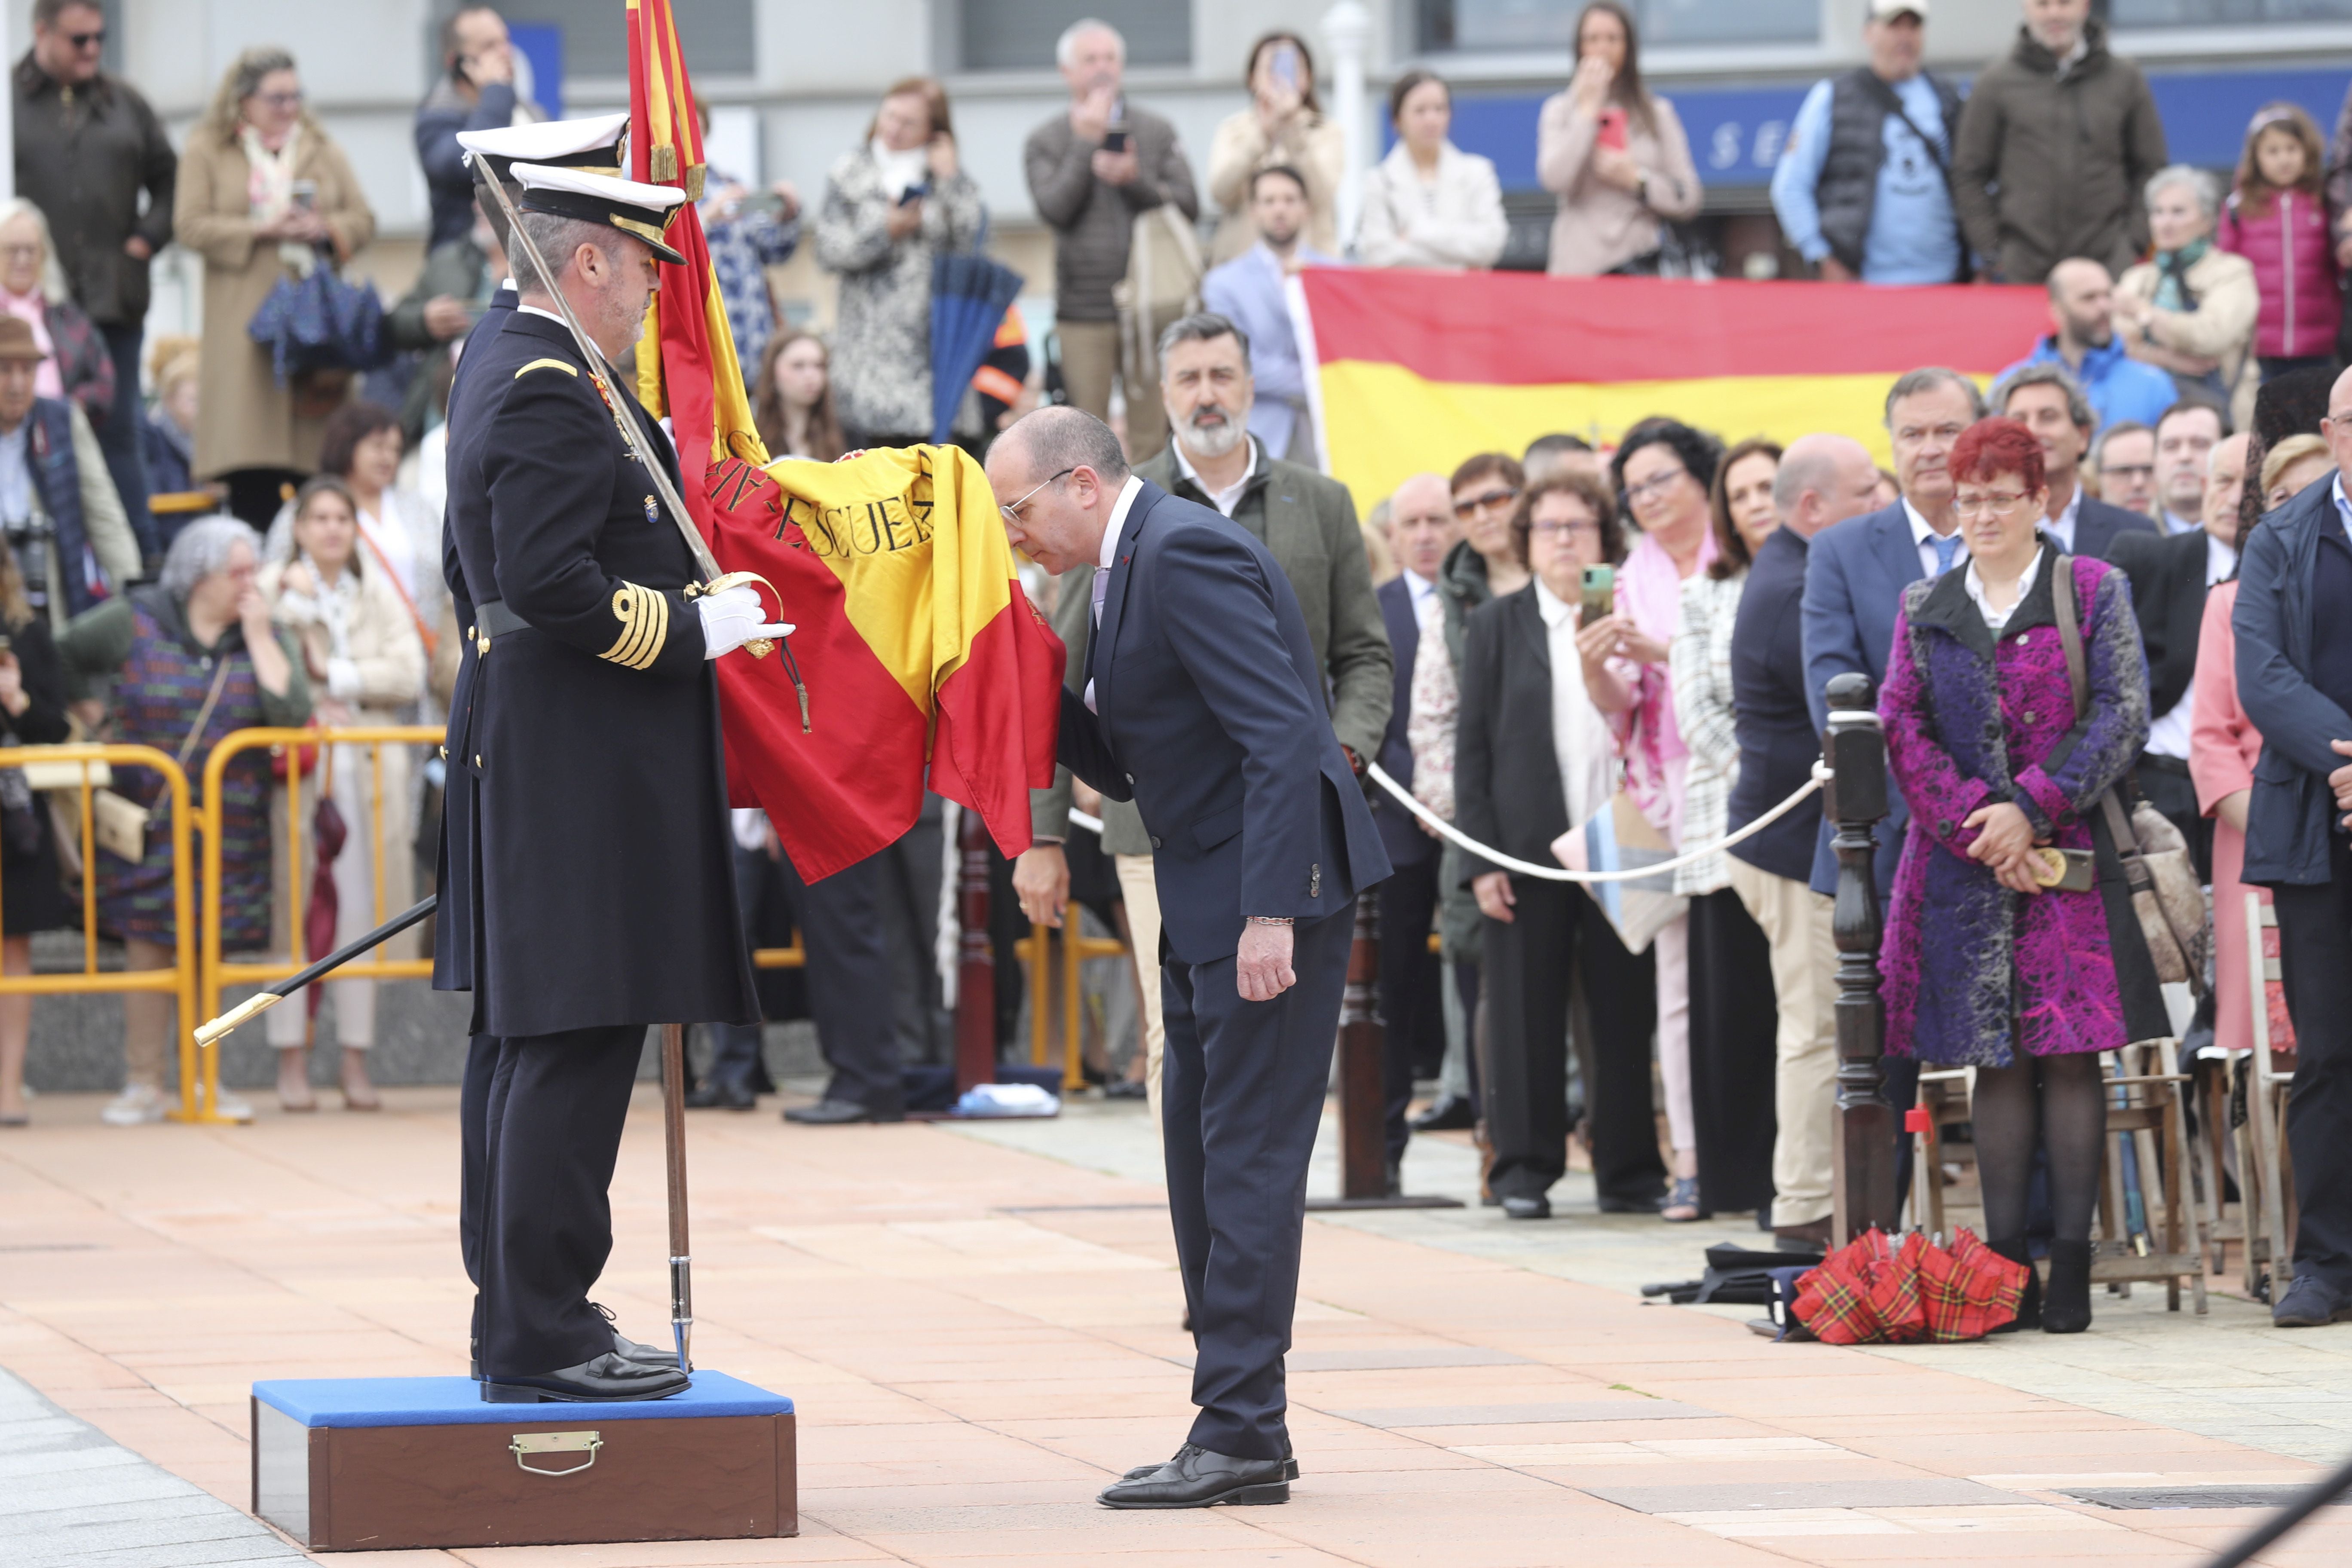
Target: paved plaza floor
x=980 y=1326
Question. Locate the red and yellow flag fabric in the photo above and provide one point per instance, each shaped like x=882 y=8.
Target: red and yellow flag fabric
x=1420 y=370
x=921 y=657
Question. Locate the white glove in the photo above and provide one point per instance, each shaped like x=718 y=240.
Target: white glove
x=732 y=617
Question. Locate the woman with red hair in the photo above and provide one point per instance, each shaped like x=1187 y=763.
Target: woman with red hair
x=2038 y=967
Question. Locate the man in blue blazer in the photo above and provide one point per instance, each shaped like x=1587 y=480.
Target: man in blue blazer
x=2046 y=400
x=2295 y=680
x=1205 y=704
x=1421 y=530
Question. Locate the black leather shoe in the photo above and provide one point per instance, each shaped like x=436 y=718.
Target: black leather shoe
x=1197 y=1479
x=1611 y=1203
x=628 y=1349
x=718 y=1095
x=2066 y=1299
x=2310 y=1303
x=608 y=1378
x=1289 y=1464
x=830 y=1114
x=1448 y=1113
x=1518 y=1207
x=2029 y=1305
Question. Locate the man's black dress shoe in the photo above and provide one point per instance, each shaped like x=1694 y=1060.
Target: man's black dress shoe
x=835 y=1113
x=1197 y=1479
x=628 y=1349
x=1518 y=1207
x=1448 y=1113
x=1289 y=1464
x=608 y=1378
x=1611 y=1203
x=721 y=1095
x=2309 y=1304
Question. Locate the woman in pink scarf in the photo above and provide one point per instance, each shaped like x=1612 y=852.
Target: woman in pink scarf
x=1663 y=469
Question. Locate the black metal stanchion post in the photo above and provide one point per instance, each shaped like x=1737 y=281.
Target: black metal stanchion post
x=1363 y=1081
x=1855 y=749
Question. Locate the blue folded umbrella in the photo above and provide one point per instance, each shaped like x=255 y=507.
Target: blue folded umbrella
x=970 y=294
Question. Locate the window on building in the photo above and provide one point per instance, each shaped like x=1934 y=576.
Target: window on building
x=719 y=37
x=2224 y=13
x=1509 y=25
x=1020 y=35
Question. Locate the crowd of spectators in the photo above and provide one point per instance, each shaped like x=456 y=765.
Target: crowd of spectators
x=1643 y=626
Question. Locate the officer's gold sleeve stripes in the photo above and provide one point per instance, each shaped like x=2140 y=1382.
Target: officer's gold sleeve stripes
x=644 y=615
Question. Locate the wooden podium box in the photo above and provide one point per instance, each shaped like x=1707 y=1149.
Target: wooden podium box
x=373 y=1464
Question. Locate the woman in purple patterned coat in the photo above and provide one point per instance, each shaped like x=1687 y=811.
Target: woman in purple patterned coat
x=2024 y=984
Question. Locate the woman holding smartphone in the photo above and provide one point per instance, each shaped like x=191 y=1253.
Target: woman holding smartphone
x=1284 y=124
x=1614 y=153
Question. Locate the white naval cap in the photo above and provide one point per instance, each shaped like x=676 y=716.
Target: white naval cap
x=641 y=211
x=593 y=143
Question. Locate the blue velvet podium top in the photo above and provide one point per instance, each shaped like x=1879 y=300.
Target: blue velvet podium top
x=350 y=1401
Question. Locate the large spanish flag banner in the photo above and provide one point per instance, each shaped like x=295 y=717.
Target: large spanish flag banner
x=1419 y=370
x=922 y=659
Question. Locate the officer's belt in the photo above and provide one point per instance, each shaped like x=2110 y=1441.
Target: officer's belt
x=496 y=620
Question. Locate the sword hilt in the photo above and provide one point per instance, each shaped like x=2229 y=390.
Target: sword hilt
x=244 y=1012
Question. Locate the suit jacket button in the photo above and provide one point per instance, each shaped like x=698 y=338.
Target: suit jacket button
x=1155 y=841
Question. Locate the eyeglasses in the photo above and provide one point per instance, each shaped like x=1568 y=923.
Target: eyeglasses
x=1992 y=504
x=2128 y=471
x=1472 y=506
x=20 y=252
x=86 y=40
x=1012 y=512
x=1636 y=494
x=279 y=100
x=1548 y=530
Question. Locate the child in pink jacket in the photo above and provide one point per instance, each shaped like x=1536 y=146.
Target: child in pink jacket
x=2278 y=220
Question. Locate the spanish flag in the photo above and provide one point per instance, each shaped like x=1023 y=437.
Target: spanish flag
x=924 y=662
x=1419 y=370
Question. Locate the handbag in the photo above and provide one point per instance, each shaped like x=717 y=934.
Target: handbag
x=2165 y=892
x=119 y=822
x=320 y=323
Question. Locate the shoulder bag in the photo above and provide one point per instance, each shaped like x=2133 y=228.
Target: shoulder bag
x=2165 y=892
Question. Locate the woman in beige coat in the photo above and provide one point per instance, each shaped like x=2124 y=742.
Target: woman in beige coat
x=1614 y=153
x=361 y=650
x=1428 y=202
x=1283 y=125
x=2192 y=310
x=261 y=189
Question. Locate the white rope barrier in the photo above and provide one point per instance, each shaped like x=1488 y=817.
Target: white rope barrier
x=1820 y=776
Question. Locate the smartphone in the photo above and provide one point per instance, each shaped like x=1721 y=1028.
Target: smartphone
x=914 y=194
x=1285 y=65
x=306 y=195
x=765 y=202
x=2066 y=870
x=1115 y=139
x=1612 y=129
x=1599 y=594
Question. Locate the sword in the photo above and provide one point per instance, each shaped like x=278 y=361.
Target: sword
x=261 y=1002
x=640 y=447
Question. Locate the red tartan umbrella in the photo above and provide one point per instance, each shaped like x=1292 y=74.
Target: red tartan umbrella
x=1875 y=1291
x=327 y=836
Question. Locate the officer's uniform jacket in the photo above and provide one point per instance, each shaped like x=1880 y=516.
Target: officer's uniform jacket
x=595 y=878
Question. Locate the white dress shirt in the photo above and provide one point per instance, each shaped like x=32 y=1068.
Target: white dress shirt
x=1924 y=537
x=1580 y=732
x=1421 y=592
x=1111 y=530
x=1226 y=500
x=2061 y=527
x=2168 y=736
x=1997 y=619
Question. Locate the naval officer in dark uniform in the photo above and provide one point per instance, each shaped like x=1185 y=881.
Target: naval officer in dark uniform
x=597 y=883
x=593 y=145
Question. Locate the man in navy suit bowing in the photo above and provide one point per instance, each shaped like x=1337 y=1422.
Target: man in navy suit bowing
x=1203 y=703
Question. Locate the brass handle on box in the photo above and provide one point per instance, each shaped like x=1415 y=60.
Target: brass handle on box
x=556 y=1443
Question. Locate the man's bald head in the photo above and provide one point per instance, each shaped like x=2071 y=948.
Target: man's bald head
x=1058 y=473
x=1823 y=479
x=2082 y=304
x=2337 y=428
x=1421 y=525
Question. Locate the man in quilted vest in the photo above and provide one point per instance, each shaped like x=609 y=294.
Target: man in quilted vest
x=63 y=518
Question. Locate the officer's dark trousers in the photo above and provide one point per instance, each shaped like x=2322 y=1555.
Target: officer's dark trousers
x=1524 y=979
x=846 y=932
x=474 y=1150
x=1242 y=1093
x=554 y=1116
x=1410 y=975
x=2315 y=963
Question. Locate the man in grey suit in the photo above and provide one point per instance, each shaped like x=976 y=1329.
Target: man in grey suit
x=1307 y=523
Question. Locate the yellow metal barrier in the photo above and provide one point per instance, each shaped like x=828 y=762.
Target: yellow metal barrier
x=1035 y=950
x=792 y=957
x=197 y=1100
x=215 y=972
